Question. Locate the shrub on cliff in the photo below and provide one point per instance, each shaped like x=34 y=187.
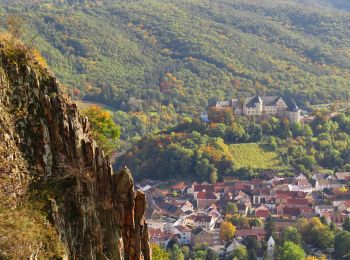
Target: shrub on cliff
x=104 y=130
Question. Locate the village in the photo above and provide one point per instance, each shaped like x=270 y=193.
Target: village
x=192 y=213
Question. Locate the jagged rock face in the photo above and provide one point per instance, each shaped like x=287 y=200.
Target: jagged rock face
x=97 y=213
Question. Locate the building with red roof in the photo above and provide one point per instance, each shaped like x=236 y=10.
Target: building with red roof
x=205 y=199
x=297 y=202
x=258 y=233
x=262 y=211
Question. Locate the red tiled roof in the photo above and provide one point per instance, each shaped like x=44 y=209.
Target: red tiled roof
x=183 y=229
x=242 y=186
x=261 y=192
x=250 y=232
x=179 y=186
x=291 y=211
x=200 y=188
x=343 y=175
x=335 y=217
x=346 y=203
x=297 y=201
x=307 y=210
x=155 y=232
x=282 y=196
x=262 y=213
x=206 y=196
x=203 y=218
x=299 y=194
x=191 y=217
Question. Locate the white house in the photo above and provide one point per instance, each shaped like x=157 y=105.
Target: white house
x=204 y=221
x=220 y=105
x=270 y=248
x=323 y=208
x=185 y=235
x=300 y=183
x=157 y=224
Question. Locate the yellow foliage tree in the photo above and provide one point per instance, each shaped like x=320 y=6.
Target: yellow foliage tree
x=227 y=230
x=105 y=132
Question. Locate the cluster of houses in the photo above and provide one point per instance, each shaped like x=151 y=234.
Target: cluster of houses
x=191 y=214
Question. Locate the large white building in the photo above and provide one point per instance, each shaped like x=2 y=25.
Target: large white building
x=270 y=105
x=263 y=105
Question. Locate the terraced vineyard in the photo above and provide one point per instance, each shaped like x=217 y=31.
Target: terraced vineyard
x=255 y=156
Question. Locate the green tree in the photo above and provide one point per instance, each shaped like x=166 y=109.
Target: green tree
x=213 y=177
x=186 y=251
x=104 y=130
x=346 y=224
x=324 y=237
x=176 y=254
x=291 y=251
x=159 y=253
x=333 y=227
x=342 y=245
x=290 y=234
x=211 y=255
x=323 y=220
x=251 y=254
x=307 y=131
x=308 y=161
x=252 y=243
x=272 y=142
x=269 y=228
x=240 y=253
x=231 y=208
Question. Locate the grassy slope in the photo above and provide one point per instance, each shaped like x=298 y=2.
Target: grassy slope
x=83 y=105
x=256 y=156
x=125 y=48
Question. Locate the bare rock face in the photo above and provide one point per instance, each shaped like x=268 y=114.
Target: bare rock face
x=97 y=212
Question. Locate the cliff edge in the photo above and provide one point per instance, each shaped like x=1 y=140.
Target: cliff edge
x=48 y=156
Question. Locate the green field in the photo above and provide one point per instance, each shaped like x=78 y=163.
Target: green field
x=256 y=156
x=82 y=105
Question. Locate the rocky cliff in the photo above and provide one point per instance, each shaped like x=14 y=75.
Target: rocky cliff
x=47 y=154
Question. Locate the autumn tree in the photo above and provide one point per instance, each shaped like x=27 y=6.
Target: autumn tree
x=159 y=253
x=105 y=132
x=316 y=233
x=227 y=231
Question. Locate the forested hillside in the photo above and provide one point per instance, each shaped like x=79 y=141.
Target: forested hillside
x=139 y=55
x=243 y=147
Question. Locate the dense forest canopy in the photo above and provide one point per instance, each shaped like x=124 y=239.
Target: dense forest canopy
x=140 y=55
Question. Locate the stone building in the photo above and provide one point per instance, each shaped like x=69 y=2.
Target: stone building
x=262 y=105
x=270 y=105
